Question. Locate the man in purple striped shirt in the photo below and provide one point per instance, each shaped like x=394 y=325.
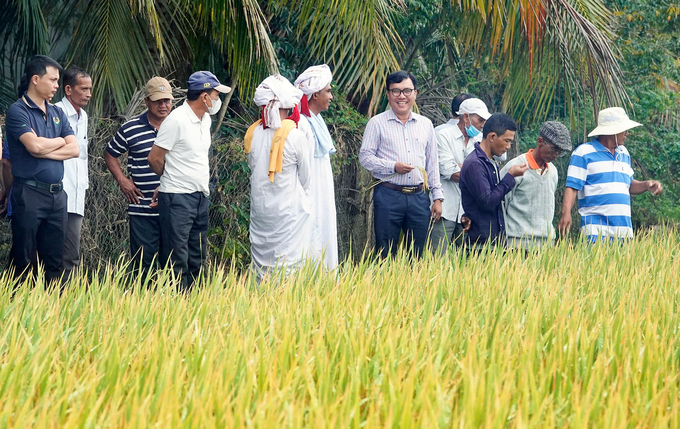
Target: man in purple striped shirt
x=397 y=142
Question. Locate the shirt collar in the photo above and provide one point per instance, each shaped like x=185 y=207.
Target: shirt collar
x=144 y=117
x=532 y=162
x=481 y=154
x=29 y=102
x=68 y=108
x=456 y=132
x=601 y=148
x=190 y=113
x=393 y=116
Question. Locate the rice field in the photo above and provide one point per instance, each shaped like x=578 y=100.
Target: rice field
x=574 y=336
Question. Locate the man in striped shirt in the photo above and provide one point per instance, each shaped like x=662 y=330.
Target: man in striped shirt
x=397 y=144
x=136 y=137
x=600 y=173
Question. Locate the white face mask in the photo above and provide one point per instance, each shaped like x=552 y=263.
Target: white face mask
x=216 y=104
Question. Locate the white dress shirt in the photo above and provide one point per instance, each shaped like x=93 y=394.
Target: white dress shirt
x=450 y=123
x=452 y=153
x=76 y=180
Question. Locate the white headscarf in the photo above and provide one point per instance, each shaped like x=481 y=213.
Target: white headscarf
x=314 y=79
x=275 y=93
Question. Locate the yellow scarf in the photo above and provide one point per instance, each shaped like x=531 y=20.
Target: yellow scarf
x=276 y=151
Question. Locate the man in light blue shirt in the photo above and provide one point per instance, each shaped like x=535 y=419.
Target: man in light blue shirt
x=600 y=173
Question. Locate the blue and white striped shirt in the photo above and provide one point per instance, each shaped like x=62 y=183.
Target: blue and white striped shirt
x=603 y=184
x=387 y=141
x=136 y=137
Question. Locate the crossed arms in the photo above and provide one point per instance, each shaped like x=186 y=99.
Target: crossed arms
x=58 y=148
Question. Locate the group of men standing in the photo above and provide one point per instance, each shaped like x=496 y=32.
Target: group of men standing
x=472 y=201
x=45 y=172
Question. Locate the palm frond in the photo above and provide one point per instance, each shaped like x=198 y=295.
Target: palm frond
x=23 y=31
x=113 y=42
x=357 y=38
x=542 y=46
x=240 y=31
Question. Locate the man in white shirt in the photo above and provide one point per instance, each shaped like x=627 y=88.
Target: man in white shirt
x=180 y=156
x=77 y=89
x=454 y=144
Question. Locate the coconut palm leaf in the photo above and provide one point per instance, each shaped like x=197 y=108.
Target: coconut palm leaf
x=542 y=46
x=239 y=30
x=123 y=43
x=357 y=38
x=23 y=31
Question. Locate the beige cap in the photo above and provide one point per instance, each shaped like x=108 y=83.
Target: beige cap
x=613 y=120
x=158 y=88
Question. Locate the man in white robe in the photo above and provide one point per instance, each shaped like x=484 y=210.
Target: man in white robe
x=280 y=222
x=315 y=83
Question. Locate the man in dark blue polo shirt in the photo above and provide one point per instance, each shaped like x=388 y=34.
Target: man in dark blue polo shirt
x=39 y=139
x=482 y=188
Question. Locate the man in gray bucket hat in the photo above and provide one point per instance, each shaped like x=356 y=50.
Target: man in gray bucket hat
x=530 y=206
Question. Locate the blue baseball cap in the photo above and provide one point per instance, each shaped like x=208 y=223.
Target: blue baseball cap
x=201 y=80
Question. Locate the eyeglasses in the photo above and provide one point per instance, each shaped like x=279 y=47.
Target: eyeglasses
x=555 y=150
x=397 y=92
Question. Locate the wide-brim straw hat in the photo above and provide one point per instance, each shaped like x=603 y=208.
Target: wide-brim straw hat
x=611 y=121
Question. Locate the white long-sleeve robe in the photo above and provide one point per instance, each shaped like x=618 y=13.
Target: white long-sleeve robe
x=280 y=220
x=324 y=215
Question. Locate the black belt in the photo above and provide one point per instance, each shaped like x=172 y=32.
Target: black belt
x=402 y=188
x=53 y=188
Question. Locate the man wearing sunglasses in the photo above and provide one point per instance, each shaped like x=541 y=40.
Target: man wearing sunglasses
x=530 y=205
x=397 y=142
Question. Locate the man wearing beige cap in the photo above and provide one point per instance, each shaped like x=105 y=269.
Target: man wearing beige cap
x=136 y=137
x=600 y=173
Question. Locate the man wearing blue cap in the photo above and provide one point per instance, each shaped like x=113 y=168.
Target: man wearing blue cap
x=180 y=156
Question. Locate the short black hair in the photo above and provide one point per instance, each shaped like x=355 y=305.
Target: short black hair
x=193 y=94
x=400 y=76
x=72 y=74
x=455 y=103
x=499 y=123
x=37 y=65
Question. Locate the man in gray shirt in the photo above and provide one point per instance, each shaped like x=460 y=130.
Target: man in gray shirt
x=530 y=205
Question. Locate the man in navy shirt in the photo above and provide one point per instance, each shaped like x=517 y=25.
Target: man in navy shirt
x=39 y=139
x=136 y=138
x=482 y=188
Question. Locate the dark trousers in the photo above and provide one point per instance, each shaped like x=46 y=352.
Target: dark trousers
x=394 y=212
x=39 y=222
x=145 y=235
x=72 y=242
x=184 y=228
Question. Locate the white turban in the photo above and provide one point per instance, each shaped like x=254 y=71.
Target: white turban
x=275 y=93
x=314 y=79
